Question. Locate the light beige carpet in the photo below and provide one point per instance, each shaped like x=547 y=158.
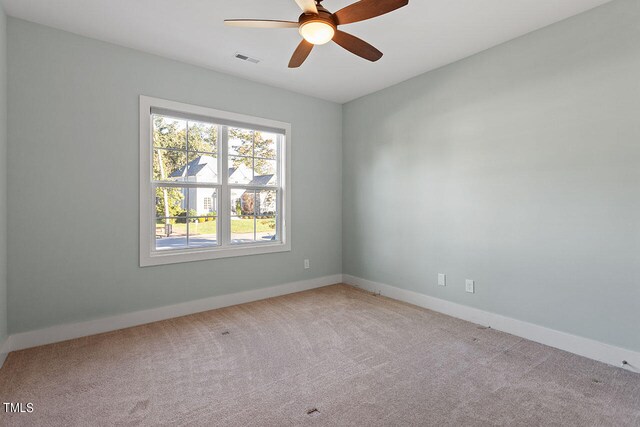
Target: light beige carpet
x=332 y=356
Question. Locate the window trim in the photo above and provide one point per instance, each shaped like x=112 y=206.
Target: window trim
x=149 y=257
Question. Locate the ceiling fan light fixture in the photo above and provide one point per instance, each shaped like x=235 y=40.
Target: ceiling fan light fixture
x=317 y=32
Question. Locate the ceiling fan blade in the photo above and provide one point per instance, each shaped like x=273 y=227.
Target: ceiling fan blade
x=357 y=46
x=300 y=54
x=260 y=23
x=308 y=6
x=367 y=9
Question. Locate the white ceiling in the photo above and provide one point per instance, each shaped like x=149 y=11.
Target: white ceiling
x=420 y=37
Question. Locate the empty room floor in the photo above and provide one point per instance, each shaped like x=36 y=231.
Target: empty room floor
x=330 y=356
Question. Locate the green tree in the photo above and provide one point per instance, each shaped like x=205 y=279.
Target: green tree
x=171 y=135
x=254 y=143
x=168 y=202
x=203 y=137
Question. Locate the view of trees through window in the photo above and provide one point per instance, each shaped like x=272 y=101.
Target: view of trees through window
x=189 y=186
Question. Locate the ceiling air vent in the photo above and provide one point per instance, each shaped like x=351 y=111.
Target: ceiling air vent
x=246 y=58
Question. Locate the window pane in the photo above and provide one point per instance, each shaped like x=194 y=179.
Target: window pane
x=240 y=170
x=168 y=165
x=169 y=132
x=253 y=157
x=203 y=201
x=266 y=204
x=203 y=137
x=266 y=229
x=235 y=202
x=170 y=201
x=266 y=145
x=242 y=216
x=203 y=167
x=203 y=232
x=240 y=142
x=170 y=234
x=243 y=229
x=242 y=202
x=265 y=172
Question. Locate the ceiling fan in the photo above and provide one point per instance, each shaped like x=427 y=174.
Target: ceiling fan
x=319 y=26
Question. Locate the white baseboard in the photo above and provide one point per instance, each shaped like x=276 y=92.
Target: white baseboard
x=564 y=341
x=91 y=327
x=4 y=350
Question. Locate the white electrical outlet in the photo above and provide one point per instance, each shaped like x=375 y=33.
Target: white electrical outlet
x=306 y=264
x=470 y=286
x=442 y=279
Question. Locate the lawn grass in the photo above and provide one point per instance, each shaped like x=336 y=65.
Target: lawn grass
x=237 y=226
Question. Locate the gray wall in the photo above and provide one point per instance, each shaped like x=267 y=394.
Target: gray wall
x=518 y=167
x=3 y=176
x=73 y=168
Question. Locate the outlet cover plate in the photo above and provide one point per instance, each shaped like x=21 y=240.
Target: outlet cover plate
x=470 y=286
x=442 y=279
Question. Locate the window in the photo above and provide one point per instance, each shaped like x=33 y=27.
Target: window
x=208 y=205
x=213 y=184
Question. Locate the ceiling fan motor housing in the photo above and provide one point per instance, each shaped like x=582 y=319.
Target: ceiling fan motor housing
x=323 y=16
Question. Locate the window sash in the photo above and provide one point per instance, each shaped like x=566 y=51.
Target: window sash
x=187 y=219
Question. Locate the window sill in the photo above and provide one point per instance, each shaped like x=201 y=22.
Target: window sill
x=174 y=257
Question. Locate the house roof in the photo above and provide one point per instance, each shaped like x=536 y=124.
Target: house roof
x=261 y=180
x=193 y=168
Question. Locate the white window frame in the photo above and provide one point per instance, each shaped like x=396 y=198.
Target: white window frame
x=148 y=255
